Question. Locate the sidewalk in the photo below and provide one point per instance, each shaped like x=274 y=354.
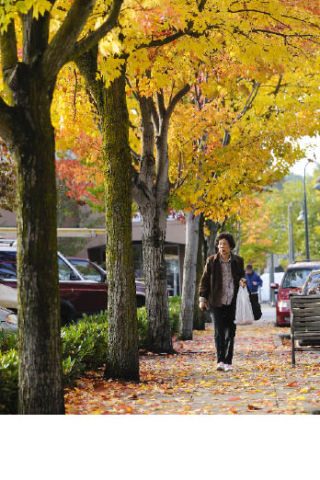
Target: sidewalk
x=263 y=381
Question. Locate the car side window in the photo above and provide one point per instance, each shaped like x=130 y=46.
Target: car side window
x=8 y=265
x=87 y=270
x=65 y=272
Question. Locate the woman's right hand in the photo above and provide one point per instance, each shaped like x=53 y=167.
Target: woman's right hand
x=203 y=306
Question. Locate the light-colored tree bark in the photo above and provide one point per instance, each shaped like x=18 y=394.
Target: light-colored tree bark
x=200 y=318
x=189 y=276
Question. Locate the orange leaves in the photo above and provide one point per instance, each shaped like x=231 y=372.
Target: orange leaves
x=187 y=383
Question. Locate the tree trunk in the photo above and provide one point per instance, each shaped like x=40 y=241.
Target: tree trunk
x=155 y=270
x=213 y=228
x=40 y=372
x=189 y=276
x=199 y=317
x=123 y=359
x=151 y=195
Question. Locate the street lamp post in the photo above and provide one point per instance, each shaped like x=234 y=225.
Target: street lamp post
x=306 y=228
x=305 y=209
x=290 y=230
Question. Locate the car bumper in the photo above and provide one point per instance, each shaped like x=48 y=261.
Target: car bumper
x=283 y=318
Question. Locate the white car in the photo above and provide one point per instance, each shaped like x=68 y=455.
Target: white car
x=8 y=320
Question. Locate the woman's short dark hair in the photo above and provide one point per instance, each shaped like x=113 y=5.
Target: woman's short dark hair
x=226 y=236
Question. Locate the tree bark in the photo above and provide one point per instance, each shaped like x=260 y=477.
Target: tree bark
x=40 y=372
x=213 y=228
x=189 y=277
x=26 y=127
x=199 y=317
x=151 y=191
x=123 y=359
x=155 y=270
x=110 y=103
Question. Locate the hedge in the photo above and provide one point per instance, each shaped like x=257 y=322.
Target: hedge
x=84 y=347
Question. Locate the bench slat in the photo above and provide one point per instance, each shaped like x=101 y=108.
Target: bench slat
x=306 y=326
x=306 y=311
x=314 y=321
x=309 y=335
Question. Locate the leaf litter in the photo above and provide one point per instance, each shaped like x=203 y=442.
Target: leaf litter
x=262 y=382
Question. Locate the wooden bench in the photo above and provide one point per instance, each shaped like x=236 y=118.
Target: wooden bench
x=305 y=322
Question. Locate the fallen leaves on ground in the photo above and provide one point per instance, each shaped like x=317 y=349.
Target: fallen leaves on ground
x=262 y=382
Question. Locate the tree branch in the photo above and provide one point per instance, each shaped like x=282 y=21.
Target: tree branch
x=9 y=56
x=94 y=37
x=88 y=67
x=63 y=43
x=155 y=115
x=140 y=191
x=35 y=36
x=161 y=105
x=6 y=122
x=178 y=96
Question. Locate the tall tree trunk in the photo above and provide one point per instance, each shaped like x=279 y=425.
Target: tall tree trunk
x=189 y=276
x=155 y=270
x=123 y=359
x=151 y=189
x=238 y=241
x=199 y=317
x=40 y=372
x=213 y=228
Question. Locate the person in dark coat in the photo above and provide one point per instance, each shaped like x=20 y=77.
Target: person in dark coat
x=254 y=281
x=219 y=284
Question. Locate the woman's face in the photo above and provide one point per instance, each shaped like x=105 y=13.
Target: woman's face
x=224 y=247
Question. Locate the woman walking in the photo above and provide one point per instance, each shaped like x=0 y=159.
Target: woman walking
x=222 y=275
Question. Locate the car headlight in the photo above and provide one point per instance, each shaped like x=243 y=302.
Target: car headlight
x=284 y=304
x=12 y=319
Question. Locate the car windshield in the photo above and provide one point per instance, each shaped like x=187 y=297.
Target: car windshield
x=295 y=278
x=8 y=265
x=87 y=270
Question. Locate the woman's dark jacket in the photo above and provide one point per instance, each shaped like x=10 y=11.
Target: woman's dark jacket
x=211 y=281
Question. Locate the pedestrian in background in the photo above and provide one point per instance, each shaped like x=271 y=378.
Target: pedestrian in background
x=219 y=284
x=254 y=281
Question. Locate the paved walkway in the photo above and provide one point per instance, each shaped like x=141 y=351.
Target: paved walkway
x=263 y=381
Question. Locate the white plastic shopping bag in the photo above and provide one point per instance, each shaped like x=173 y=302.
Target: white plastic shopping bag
x=244 y=313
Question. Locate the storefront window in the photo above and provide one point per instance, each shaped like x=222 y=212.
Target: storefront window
x=173 y=269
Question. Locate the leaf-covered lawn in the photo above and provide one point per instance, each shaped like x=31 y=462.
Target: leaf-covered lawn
x=263 y=381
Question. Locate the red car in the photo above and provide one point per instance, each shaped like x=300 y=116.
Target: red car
x=78 y=295
x=93 y=272
x=292 y=282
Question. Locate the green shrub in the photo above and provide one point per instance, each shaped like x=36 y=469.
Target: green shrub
x=8 y=341
x=174 y=310
x=84 y=347
x=9 y=382
x=143 y=329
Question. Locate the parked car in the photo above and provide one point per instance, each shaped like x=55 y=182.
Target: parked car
x=91 y=271
x=8 y=320
x=78 y=295
x=292 y=283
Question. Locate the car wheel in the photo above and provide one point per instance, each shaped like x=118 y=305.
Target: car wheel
x=67 y=312
x=141 y=301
